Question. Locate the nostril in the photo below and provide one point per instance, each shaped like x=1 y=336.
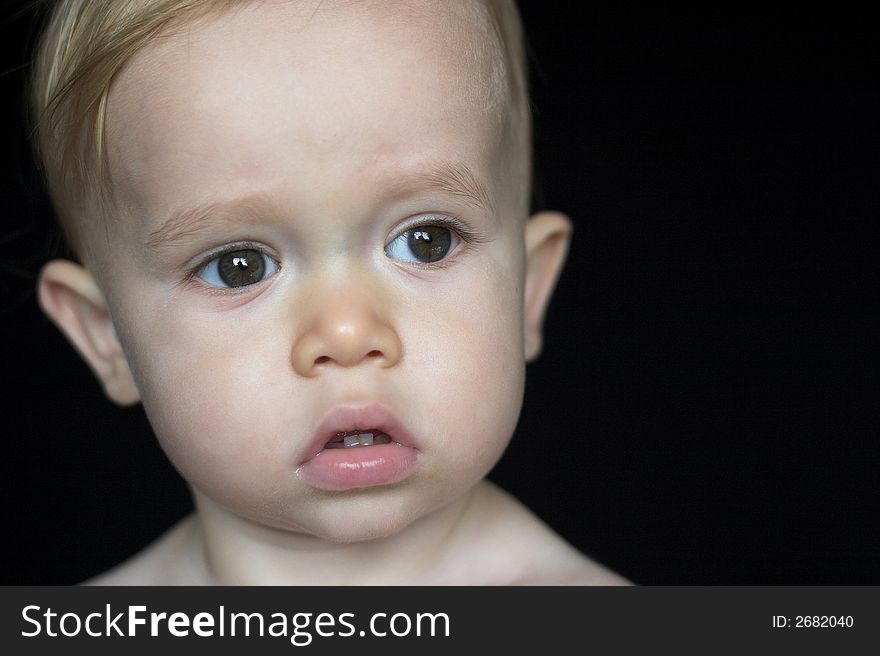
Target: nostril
x=322 y=359
x=374 y=354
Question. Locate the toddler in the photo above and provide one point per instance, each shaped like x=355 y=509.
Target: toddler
x=304 y=245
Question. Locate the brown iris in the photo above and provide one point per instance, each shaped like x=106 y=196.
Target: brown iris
x=240 y=268
x=429 y=243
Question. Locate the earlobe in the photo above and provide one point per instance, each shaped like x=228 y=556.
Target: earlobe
x=70 y=297
x=547 y=235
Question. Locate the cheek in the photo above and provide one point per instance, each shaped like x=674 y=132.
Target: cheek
x=471 y=371
x=211 y=393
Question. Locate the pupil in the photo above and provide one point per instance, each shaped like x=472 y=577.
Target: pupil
x=241 y=268
x=429 y=243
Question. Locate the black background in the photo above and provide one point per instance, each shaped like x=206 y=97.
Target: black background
x=705 y=408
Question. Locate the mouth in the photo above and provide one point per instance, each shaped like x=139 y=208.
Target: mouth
x=357 y=438
x=342 y=455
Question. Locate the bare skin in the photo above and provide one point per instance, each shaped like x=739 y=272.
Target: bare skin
x=492 y=540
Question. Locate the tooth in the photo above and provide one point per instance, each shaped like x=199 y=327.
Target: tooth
x=351 y=440
x=365 y=439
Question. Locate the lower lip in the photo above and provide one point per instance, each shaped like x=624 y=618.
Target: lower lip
x=360 y=466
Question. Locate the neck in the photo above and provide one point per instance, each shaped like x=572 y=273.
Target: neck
x=238 y=551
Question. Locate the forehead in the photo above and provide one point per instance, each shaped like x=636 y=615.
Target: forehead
x=296 y=95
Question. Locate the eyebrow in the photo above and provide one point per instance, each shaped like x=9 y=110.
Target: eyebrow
x=456 y=179
x=451 y=178
x=183 y=226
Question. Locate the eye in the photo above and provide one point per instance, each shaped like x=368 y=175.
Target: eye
x=424 y=244
x=238 y=268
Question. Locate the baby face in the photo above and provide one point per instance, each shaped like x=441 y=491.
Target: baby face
x=317 y=246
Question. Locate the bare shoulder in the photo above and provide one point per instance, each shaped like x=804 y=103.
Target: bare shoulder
x=526 y=551
x=163 y=562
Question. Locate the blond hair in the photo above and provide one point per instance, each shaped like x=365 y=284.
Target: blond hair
x=87 y=42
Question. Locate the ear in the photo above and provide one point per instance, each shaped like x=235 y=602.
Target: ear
x=70 y=297
x=548 y=235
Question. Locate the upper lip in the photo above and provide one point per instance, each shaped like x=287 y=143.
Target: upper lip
x=362 y=417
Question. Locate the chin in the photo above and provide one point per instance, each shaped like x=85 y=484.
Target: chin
x=351 y=516
x=374 y=519
x=352 y=533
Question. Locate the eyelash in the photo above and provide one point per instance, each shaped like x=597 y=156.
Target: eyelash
x=469 y=238
x=192 y=274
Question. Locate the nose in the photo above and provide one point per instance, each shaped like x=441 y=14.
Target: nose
x=346 y=330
